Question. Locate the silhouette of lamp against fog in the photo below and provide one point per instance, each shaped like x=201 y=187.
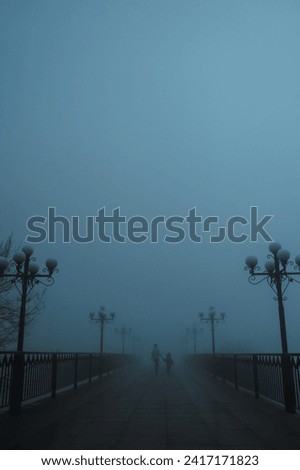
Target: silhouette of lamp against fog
x=25 y=276
x=123 y=332
x=212 y=319
x=278 y=277
x=102 y=318
x=193 y=332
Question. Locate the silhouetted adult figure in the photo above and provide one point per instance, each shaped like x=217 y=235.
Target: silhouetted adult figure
x=155 y=355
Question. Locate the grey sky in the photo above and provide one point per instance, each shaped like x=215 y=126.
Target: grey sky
x=156 y=107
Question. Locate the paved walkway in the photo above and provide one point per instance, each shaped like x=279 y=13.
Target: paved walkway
x=133 y=409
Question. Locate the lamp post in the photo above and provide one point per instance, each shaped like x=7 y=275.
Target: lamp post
x=194 y=332
x=102 y=318
x=278 y=277
x=25 y=276
x=26 y=273
x=123 y=332
x=212 y=319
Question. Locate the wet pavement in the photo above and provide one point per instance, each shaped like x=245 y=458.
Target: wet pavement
x=133 y=409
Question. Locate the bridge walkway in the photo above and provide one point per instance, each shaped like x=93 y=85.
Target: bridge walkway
x=134 y=409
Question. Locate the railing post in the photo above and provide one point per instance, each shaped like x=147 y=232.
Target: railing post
x=214 y=365
x=101 y=357
x=54 y=375
x=255 y=375
x=107 y=366
x=288 y=383
x=75 y=370
x=235 y=372
x=16 y=393
x=223 y=368
x=90 y=367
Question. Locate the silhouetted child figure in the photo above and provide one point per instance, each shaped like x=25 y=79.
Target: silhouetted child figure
x=169 y=363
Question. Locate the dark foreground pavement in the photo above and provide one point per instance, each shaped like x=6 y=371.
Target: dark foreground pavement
x=133 y=409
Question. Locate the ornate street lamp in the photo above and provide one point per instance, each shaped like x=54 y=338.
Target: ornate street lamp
x=102 y=318
x=212 y=319
x=25 y=276
x=194 y=332
x=123 y=332
x=278 y=277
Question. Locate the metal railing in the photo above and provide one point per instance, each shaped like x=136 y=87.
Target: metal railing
x=32 y=375
x=261 y=374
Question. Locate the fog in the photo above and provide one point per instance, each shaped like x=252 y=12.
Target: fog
x=156 y=108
